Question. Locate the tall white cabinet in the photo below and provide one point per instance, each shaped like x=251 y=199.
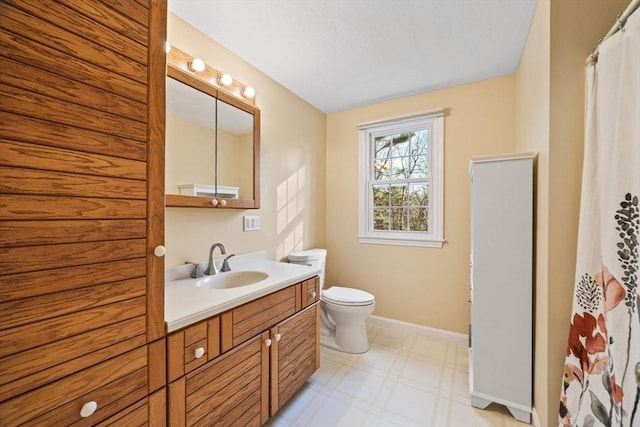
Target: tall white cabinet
x=500 y=353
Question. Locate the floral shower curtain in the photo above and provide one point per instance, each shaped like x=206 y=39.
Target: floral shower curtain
x=601 y=384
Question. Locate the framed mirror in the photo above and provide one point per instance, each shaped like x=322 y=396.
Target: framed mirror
x=212 y=146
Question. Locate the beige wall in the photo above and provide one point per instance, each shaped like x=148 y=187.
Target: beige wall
x=549 y=120
x=293 y=138
x=426 y=286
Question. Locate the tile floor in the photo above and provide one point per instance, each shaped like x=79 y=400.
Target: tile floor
x=403 y=380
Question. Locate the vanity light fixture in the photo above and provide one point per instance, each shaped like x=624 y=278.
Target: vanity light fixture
x=225 y=80
x=197 y=65
x=248 y=92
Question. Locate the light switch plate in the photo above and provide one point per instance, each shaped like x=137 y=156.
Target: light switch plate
x=251 y=223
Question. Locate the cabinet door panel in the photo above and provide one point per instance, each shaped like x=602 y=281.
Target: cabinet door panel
x=294 y=356
x=230 y=390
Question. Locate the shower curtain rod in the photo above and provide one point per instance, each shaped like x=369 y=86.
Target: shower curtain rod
x=620 y=21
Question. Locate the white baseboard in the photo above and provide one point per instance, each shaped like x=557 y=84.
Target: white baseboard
x=425 y=331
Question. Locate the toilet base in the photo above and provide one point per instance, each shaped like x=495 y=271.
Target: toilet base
x=345 y=342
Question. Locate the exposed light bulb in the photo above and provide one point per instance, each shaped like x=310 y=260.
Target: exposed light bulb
x=248 y=92
x=167 y=46
x=196 y=65
x=225 y=80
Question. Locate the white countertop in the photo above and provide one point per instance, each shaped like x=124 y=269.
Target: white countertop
x=185 y=303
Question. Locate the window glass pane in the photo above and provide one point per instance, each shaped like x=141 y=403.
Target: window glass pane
x=381 y=169
x=399 y=195
x=418 y=167
x=380 y=195
x=401 y=144
x=382 y=147
x=419 y=219
x=399 y=219
x=381 y=219
x=419 y=194
x=398 y=169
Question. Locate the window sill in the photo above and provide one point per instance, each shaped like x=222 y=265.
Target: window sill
x=396 y=241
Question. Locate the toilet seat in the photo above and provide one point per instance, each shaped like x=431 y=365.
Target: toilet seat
x=347 y=296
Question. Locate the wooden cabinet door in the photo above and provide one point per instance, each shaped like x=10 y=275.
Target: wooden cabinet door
x=82 y=85
x=231 y=390
x=295 y=354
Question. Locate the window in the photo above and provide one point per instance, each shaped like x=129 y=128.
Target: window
x=401 y=181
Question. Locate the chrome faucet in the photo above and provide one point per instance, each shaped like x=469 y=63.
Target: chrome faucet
x=211 y=267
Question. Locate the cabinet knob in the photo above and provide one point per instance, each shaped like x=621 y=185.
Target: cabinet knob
x=277 y=337
x=199 y=352
x=214 y=202
x=159 y=251
x=267 y=342
x=223 y=203
x=313 y=294
x=88 y=409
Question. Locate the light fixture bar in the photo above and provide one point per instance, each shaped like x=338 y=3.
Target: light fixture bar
x=199 y=69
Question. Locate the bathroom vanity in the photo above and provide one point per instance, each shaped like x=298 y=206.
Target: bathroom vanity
x=236 y=355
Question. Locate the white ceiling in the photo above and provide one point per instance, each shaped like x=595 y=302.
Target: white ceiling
x=342 y=54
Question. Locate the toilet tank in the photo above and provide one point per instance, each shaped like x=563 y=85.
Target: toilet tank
x=313 y=257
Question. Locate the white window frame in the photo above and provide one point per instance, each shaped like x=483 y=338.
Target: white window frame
x=367 y=131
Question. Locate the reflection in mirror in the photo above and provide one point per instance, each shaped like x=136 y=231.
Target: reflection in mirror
x=190 y=137
x=235 y=149
x=194 y=164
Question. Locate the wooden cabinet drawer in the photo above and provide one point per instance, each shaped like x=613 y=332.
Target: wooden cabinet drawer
x=310 y=291
x=193 y=347
x=113 y=385
x=244 y=322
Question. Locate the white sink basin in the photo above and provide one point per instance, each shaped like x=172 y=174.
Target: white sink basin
x=232 y=279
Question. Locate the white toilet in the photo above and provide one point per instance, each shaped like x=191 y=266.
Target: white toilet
x=342 y=310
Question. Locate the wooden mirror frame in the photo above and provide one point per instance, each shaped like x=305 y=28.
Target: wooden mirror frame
x=177 y=68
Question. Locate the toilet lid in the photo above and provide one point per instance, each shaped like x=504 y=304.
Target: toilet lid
x=347 y=296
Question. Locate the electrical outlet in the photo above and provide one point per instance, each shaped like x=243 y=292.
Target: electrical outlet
x=251 y=223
